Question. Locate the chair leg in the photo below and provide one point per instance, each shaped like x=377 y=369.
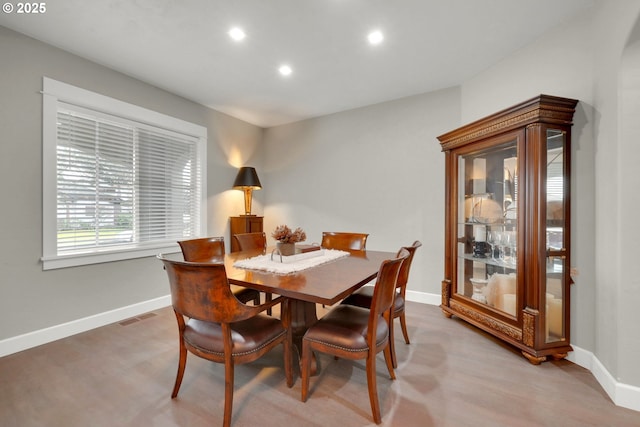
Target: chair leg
x=305 y=368
x=181 y=365
x=392 y=345
x=403 y=323
x=228 y=393
x=388 y=358
x=267 y=298
x=373 y=387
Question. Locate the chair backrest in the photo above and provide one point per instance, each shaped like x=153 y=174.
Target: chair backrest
x=200 y=290
x=384 y=290
x=403 y=275
x=251 y=241
x=203 y=249
x=344 y=241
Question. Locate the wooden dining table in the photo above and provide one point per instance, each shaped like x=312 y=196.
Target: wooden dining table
x=326 y=284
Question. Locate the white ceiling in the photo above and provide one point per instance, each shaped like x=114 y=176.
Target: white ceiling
x=183 y=46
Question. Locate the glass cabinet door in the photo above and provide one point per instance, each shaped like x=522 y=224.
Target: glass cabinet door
x=487 y=227
x=556 y=191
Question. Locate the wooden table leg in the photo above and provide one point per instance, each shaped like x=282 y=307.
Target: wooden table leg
x=303 y=316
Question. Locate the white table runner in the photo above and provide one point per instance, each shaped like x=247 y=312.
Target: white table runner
x=264 y=262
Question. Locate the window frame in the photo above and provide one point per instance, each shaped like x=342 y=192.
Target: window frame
x=54 y=92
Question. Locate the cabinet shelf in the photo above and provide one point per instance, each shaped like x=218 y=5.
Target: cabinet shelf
x=552 y=267
x=488 y=261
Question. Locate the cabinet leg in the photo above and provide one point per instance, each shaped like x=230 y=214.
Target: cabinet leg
x=533 y=359
x=559 y=356
x=447 y=314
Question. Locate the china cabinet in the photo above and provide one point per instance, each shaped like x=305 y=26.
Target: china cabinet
x=507 y=225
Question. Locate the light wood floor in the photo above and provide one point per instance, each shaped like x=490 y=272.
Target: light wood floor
x=451 y=375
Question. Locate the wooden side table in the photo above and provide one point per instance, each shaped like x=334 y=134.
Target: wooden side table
x=244 y=224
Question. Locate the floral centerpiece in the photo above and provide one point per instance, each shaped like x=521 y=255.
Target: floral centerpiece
x=287 y=239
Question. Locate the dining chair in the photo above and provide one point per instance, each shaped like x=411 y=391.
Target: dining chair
x=352 y=242
x=215 y=325
x=211 y=249
x=251 y=241
x=364 y=296
x=355 y=333
x=254 y=241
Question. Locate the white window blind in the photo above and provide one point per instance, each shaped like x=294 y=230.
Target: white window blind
x=121 y=186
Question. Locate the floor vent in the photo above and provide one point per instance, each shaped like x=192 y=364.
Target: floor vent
x=136 y=319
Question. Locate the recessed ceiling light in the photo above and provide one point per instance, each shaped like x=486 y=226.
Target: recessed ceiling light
x=237 y=34
x=285 y=70
x=375 y=37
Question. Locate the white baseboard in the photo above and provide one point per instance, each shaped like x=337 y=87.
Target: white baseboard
x=53 y=333
x=623 y=395
x=423 y=297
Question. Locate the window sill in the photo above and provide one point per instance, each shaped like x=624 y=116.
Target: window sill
x=74 y=260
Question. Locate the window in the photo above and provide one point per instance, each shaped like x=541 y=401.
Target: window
x=119 y=181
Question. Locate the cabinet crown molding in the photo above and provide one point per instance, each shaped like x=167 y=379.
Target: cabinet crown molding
x=542 y=108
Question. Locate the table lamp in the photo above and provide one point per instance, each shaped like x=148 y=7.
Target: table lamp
x=247 y=181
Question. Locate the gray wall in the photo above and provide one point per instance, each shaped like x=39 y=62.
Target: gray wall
x=628 y=294
x=377 y=170
x=32 y=299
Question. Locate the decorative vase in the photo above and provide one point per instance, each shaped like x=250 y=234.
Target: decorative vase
x=286 y=249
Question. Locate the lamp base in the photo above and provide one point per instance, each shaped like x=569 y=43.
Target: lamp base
x=248 y=193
